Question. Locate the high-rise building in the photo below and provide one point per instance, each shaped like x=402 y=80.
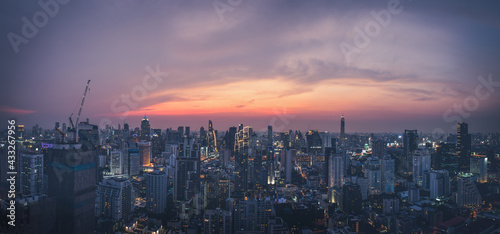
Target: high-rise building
x=116 y=162
x=134 y=160
x=445 y=157
x=269 y=135
x=187 y=171
x=351 y=198
x=115 y=199
x=72 y=179
x=157 y=144
x=467 y=192
x=212 y=138
x=88 y=136
x=336 y=171
x=242 y=154
x=217 y=221
x=439 y=184
x=156 y=192
x=231 y=138
x=421 y=164
x=410 y=144
x=374 y=176
x=387 y=173
x=379 y=148
x=463 y=146
x=145 y=153
x=391 y=205
x=145 y=129
x=342 y=127
x=252 y=215
x=289 y=165
x=314 y=142
x=32 y=181
x=479 y=167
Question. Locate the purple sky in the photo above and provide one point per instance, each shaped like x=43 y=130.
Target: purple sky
x=257 y=63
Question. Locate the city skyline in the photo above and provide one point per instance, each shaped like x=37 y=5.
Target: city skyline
x=256 y=62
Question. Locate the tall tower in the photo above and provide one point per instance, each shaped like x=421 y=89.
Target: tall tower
x=463 y=146
x=156 y=192
x=145 y=128
x=212 y=138
x=72 y=179
x=342 y=127
x=269 y=135
x=242 y=153
x=410 y=144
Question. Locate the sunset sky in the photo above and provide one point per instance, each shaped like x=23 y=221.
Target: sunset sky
x=256 y=63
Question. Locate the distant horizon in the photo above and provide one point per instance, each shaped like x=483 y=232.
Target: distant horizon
x=386 y=65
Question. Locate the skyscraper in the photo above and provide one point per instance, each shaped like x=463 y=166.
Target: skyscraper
x=410 y=144
x=342 y=127
x=439 y=184
x=467 y=192
x=187 y=171
x=421 y=164
x=252 y=215
x=373 y=174
x=463 y=146
x=116 y=162
x=387 y=173
x=115 y=199
x=217 y=221
x=479 y=167
x=156 y=192
x=32 y=182
x=336 y=171
x=72 y=179
x=145 y=153
x=269 y=134
x=145 y=129
x=242 y=153
x=351 y=198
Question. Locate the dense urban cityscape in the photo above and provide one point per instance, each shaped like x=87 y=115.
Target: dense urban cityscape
x=238 y=116
x=179 y=180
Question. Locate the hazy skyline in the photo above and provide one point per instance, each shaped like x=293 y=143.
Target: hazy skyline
x=254 y=62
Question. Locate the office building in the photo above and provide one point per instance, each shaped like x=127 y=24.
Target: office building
x=242 y=154
x=115 y=199
x=217 y=221
x=145 y=129
x=479 y=168
x=439 y=184
x=421 y=164
x=32 y=178
x=387 y=174
x=156 y=192
x=374 y=176
x=351 y=198
x=144 y=153
x=116 y=162
x=252 y=215
x=463 y=146
x=336 y=170
x=72 y=180
x=467 y=192
x=342 y=127
x=410 y=144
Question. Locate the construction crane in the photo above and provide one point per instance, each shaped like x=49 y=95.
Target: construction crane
x=79 y=113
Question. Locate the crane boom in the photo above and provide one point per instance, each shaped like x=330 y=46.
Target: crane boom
x=81 y=105
x=79 y=113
